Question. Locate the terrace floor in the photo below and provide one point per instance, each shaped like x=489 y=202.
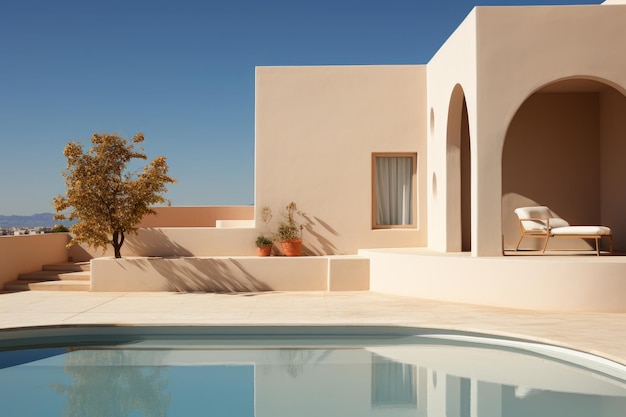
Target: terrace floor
x=602 y=334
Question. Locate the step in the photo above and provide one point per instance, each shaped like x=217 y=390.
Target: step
x=68 y=266
x=18 y=285
x=3 y=291
x=64 y=276
x=76 y=276
x=55 y=276
x=68 y=285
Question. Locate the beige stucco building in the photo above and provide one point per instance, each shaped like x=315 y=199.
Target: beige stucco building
x=521 y=106
x=317 y=131
x=406 y=176
x=502 y=116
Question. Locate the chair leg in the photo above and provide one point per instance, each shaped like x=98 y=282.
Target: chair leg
x=518 y=242
x=545 y=244
x=598 y=245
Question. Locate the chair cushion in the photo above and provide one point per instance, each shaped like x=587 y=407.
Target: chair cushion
x=581 y=231
x=541 y=212
x=538 y=212
x=556 y=222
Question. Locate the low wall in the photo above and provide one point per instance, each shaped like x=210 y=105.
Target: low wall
x=551 y=283
x=186 y=231
x=200 y=216
x=179 y=241
x=191 y=241
x=231 y=274
x=28 y=253
x=234 y=223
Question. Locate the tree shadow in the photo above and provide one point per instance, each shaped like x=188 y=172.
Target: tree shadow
x=204 y=275
x=323 y=237
x=153 y=242
x=80 y=252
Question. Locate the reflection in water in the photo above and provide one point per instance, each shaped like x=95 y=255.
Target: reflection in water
x=105 y=384
x=419 y=379
x=293 y=362
x=393 y=383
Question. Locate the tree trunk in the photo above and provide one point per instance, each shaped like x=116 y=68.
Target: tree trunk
x=117 y=242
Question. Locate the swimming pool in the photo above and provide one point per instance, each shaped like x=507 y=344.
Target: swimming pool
x=298 y=371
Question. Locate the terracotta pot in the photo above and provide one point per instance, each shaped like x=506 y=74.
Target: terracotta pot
x=264 y=250
x=292 y=247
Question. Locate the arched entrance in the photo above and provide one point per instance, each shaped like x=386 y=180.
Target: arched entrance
x=458 y=218
x=565 y=148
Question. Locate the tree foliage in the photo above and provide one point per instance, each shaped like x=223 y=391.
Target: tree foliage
x=105 y=198
x=122 y=387
x=59 y=228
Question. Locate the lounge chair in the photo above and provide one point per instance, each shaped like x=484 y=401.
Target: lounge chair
x=539 y=222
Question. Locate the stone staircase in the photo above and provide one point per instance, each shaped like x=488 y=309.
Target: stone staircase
x=57 y=277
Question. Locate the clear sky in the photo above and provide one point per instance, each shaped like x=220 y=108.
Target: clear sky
x=182 y=72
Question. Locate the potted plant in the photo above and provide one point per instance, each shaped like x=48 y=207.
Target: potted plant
x=264 y=242
x=264 y=245
x=290 y=232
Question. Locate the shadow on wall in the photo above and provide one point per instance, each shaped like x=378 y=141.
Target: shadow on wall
x=317 y=240
x=203 y=275
x=564 y=149
x=150 y=242
x=82 y=253
x=153 y=242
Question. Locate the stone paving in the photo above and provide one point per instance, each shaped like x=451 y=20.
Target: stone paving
x=602 y=334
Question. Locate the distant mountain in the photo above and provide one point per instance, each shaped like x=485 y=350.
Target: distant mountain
x=36 y=220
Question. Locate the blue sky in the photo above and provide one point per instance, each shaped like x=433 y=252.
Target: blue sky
x=182 y=72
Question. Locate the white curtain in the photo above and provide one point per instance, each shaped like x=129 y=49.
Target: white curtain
x=394 y=191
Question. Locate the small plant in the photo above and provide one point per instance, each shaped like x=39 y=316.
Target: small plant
x=289 y=229
x=288 y=232
x=263 y=241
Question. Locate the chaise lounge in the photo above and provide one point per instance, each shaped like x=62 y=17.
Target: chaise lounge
x=539 y=222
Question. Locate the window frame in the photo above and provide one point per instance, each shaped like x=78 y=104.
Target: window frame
x=413 y=156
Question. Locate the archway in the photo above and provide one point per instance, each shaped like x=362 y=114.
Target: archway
x=564 y=148
x=458 y=217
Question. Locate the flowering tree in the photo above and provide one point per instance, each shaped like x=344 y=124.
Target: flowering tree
x=105 y=198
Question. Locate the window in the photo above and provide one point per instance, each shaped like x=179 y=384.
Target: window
x=394 y=196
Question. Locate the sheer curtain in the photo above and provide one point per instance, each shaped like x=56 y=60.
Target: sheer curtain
x=394 y=190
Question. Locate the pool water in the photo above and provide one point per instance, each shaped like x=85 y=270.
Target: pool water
x=298 y=372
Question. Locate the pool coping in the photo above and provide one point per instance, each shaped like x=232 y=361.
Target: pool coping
x=598 y=334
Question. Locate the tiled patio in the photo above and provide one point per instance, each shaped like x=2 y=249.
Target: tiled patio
x=603 y=334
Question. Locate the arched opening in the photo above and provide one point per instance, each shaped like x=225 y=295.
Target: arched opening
x=564 y=149
x=459 y=230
